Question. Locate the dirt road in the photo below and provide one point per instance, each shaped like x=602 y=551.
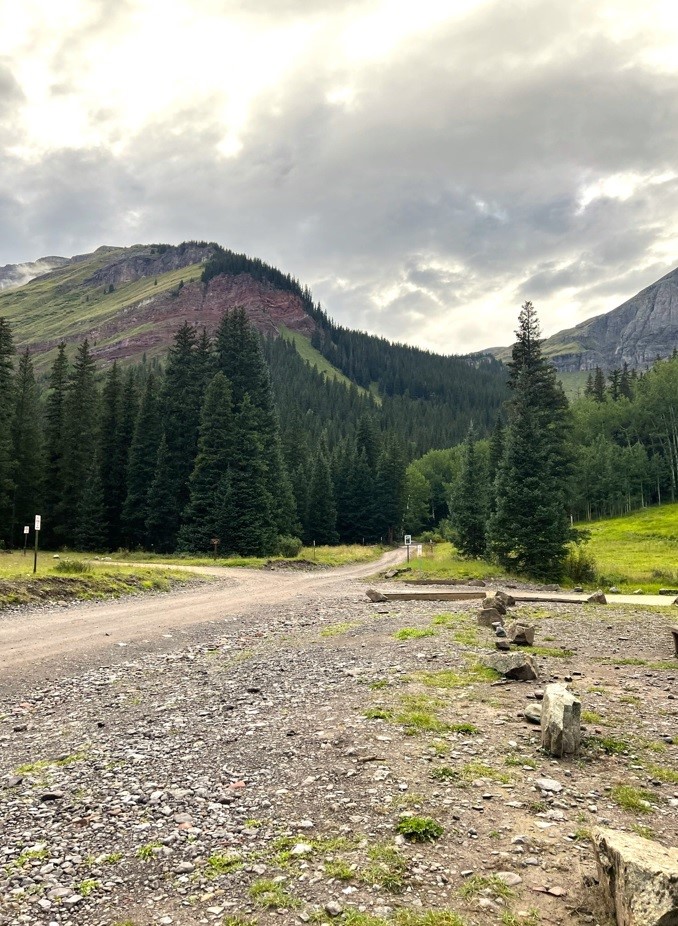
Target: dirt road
x=49 y=638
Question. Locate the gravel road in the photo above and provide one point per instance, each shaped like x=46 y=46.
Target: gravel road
x=247 y=753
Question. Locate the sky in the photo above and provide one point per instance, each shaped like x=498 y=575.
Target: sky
x=425 y=167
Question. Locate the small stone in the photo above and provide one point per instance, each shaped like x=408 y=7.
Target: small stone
x=548 y=784
x=518 y=666
x=184 y=868
x=51 y=796
x=532 y=713
x=332 y=908
x=510 y=878
x=302 y=848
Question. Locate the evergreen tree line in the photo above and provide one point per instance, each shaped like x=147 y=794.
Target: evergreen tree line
x=551 y=461
x=175 y=459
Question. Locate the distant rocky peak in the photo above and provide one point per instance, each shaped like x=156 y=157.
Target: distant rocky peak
x=18 y=274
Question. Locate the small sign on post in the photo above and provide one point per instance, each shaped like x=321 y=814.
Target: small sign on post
x=215 y=543
x=26 y=533
x=419 y=550
x=408 y=544
x=38 y=525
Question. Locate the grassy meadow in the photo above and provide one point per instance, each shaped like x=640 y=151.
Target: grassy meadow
x=639 y=550
x=75 y=577
x=341 y=555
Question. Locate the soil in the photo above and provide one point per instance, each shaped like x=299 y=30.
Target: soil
x=212 y=758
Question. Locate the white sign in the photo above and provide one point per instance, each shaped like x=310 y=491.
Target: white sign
x=27 y=529
x=38 y=520
x=408 y=540
x=419 y=549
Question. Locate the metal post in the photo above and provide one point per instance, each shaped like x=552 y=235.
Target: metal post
x=35 y=555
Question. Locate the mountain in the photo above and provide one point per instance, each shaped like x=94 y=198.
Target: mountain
x=18 y=274
x=129 y=303
x=637 y=332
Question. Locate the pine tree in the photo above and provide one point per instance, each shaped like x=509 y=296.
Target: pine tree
x=614 y=378
x=249 y=528
x=625 y=383
x=529 y=529
x=81 y=409
x=468 y=507
x=161 y=520
x=141 y=466
x=7 y=408
x=390 y=491
x=203 y=518
x=112 y=453
x=27 y=440
x=599 y=385
x=55 y=412
x=90 y=526
x=322 y=511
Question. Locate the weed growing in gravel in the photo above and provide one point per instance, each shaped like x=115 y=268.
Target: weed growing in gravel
x=335 y=630
x=29 y=854
x=551 y=651
x=32 y=767
x=386 y=869
x=413 y=633
x=449 y=678
x=582 y=834
x=468 y=728
x=218 y=864
x=419 y=829
x=537 y=807
x=517 y=761
x=661 y=773
x=419 y=714
x=112 y=858
x=440 y=747
x=88 y=886
x=445 y=773
x=645 y=831
x=533 y=918
x=379 y=684
x=611 y=745
x=467 y=636
x=476 y=884
x=145 y=853
x=592 y=717
x=271 y=895
x=448 y=619
x=238 y=921
x=629 y=699
x=429 y=918
x=339 y=869
x=657 y=664
x=377 y=713
x=473 y=770
x=634 y=800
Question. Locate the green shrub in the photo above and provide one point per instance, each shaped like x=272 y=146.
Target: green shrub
x=289 y=547
x=419 y=829
x=580 y=566
x=73 y=566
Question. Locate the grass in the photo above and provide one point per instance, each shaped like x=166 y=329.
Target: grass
x=77 y=578
x=592 y=717
x=335 y=630
x=32 y=768
x=552 y=652
x=271 y=895
x=87 y=887
x=639 y=550
x=661 y=773
x=146 y=852
x=339 y=869
x=660 y=664
x=412 y=633
x=386 y=868
x=219 y=864
x=632 y=799
x=419 y=829
x=451 y=678
x=354 y=917
x=446 y=563
x=477 y=884
x=340 y=555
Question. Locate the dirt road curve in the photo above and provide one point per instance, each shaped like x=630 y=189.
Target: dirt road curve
x=47 y=638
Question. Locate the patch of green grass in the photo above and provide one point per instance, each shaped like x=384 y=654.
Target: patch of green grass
x=632 y=799
x=28 y=855
x=112 y=858
x=465 y=727
x=219 y=864
x=477 y=884
x=31 y=768
x=87 y=887
x=339 y=869
x=658 y=664
x=428 y=918
x=645 y=831
x=412 y=633
x=451 y=678
x=592 y=717
x=467 y=636
x=552 y=652
x=472 y=770
x=145 y=852
x=386 y=868
x=336 y=629
x=629 y=699
x=378 y=713
x=419 y=829
x=611 y=745
x=419 y=714
x=446 y=563
x=271 y=895
x=661 y=773
x=518 y=761
x=379 y=684
x=238 y=921
x=508 y=918
x=450 y=619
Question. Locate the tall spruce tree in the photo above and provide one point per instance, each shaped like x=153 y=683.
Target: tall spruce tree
x=112 y=454
x=468 y=506
x=27 y=440
x=91 y=526
x=7 y=409
x=81 y=412
x=390 y=491
x=161 y=520
x=322 y=511
x=249 y=528
x=240 y=357
x=204 y=516
x=143 y=456
x=55 y=415
x=529 y=529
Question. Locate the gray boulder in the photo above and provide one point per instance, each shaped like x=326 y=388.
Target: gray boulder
x=533 y=713
x=597 y=598
x=374 y=595
x=520 y=634
x=639 y=879
x=489 y=616
x=494 y=601
x=508 y=600
x=560 y=721
x=517 y=666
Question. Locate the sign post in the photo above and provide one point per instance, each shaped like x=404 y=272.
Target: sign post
x=38 y=523
x=215 y=543
x=26 y=532
x=408 y=544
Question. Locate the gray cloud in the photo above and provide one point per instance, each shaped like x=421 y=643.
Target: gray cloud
x=452 y=177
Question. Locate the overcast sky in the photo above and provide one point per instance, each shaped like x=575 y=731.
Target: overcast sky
x=423 y=166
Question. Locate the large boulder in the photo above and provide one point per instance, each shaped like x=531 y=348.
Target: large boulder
x=494 y=601
x=520 y=634
x=517 y=666
x=560 y=721
x=374 y=595
x=597 y=598
x=489 y=616
x=639 y=879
